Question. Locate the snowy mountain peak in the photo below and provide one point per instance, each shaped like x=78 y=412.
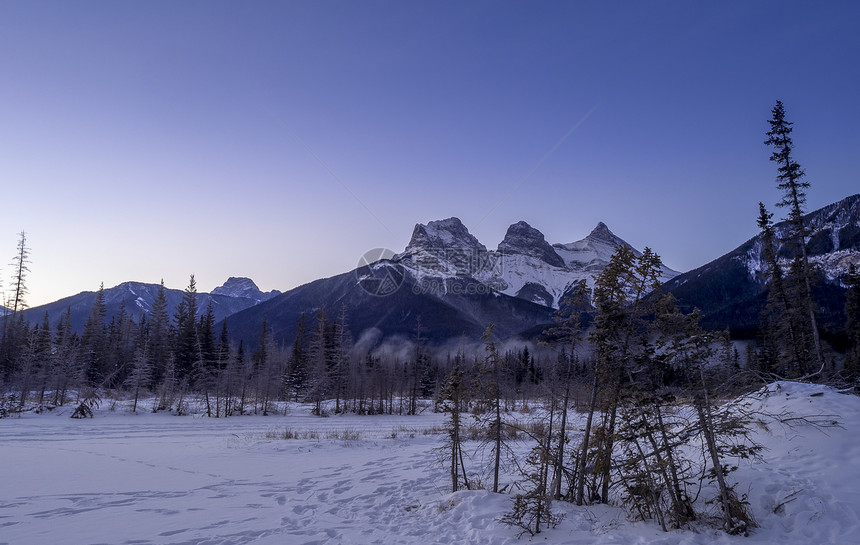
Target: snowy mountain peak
x=244 y=288
x=592 y=253
x=602 y=233
x=523 y=239
x=525 y=264
x=443 y=234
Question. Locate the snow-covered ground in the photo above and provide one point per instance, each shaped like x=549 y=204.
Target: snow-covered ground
x=154 y=478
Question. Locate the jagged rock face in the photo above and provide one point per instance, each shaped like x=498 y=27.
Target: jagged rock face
x=525 y=264
x=443 y=234
x=523 y=239
x=443 y=248
x=239 y=287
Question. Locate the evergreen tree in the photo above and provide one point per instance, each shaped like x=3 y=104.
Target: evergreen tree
x=26 y=364
x=120 y=351
x=14 y=338
x=781 y=321
x=609 y=337
x=206 y=336
x=339 y=365
x=318 y=357
x=159 y=336
x=620 y=338
x=297 y=366
x=791 y=181
x=222 y=368
x=262 y=359
x=222 y=352
x=186 y=344
x=94 y=341
x=205 y=371
x=19 y=276
x=43 y=366
x=241 y=376
x=65 y=356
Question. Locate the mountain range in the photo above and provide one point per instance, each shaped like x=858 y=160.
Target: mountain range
x=451 y=280
x=137 y=298
x=456 y=286
x=730 y=290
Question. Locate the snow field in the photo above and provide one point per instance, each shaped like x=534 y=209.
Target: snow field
x=160 y=479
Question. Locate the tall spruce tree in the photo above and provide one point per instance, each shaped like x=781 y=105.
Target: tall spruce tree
x=94 y=341
x=65 y=354
x=263 y=360
x=297 y=376
x=159 y=336
x=222 y=369
x=205 y=365
x=318 y=359
x=339 y=366
x=19 y=275
x=120 y=346
x=186 y=343
x=206 y=335
x=790 y=180
x=14 y=338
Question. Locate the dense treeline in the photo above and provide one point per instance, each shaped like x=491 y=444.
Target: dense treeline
x=170 y=358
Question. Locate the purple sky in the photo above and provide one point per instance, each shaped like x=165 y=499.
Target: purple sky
x=281 y=140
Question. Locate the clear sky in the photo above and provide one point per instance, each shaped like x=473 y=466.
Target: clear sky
x=281 y=140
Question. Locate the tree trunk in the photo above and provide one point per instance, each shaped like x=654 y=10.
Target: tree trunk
x=498 y=438
x=580 y=470
x=607 y=452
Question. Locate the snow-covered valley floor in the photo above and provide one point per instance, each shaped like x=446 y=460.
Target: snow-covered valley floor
x=141 y=479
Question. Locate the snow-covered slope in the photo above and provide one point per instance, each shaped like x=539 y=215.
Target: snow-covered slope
x=160 y=479
x=525 y=264
x=834 y=241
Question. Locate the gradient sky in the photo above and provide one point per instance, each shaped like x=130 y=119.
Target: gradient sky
x=281 y=140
